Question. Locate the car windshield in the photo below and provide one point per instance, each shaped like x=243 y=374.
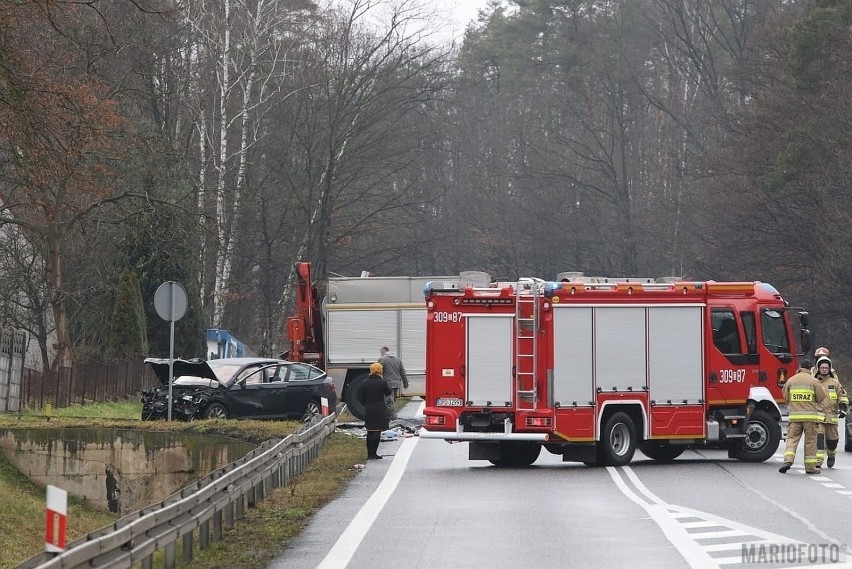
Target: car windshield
x=224 y=372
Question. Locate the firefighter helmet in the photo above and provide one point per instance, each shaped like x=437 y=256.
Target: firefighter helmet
x=821 y=351
x=376 y=368
x=823 y=360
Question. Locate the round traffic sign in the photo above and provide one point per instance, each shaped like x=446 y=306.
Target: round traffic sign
x=170 y=301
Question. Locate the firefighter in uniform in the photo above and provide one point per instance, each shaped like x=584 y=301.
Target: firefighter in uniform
x=805 y=396
x=836 y=401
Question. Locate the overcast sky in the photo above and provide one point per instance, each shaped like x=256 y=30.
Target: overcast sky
x=449 y=17
x=461 y=12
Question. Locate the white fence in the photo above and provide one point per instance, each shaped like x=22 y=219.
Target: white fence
x=13 y=348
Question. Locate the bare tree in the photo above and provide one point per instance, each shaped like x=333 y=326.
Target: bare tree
x=244 y=45
x=349 y=154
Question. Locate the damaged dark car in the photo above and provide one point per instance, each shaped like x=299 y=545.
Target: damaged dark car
x=255 y=388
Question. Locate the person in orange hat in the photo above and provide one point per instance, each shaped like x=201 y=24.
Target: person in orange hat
x=376 y=419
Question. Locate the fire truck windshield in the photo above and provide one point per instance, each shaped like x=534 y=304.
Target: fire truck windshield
x=774 y=328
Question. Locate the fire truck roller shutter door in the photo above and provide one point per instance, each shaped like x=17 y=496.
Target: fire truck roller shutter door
x=489 y=360
x=573 y=363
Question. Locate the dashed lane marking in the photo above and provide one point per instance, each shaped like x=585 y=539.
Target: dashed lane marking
x=821 y=478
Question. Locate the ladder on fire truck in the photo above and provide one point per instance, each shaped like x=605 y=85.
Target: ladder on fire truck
x=527 y=294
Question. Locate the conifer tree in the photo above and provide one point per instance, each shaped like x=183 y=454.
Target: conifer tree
x=127 y=334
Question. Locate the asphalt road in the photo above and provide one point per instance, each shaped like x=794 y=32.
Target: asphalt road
x=427 y=505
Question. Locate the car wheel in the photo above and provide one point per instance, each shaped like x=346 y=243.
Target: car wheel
x=762 y=437
x=216 y=411
x=618 y=440
x=312 y=411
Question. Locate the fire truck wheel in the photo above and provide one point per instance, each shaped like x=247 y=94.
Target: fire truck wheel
x=662 y=453
x=762 y=437
x=618 y=440
x=517 y=453
x=353 y=404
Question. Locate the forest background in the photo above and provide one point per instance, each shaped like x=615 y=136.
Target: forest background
x=215 y=142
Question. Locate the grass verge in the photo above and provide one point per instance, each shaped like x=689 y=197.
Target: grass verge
x=253 y=543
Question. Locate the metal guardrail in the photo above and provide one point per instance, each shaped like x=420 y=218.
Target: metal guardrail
x=209 y=505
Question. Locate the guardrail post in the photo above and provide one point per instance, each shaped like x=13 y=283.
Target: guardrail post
x=148 y=562
x=240 y=510
x=229 y=516
x=187 y=546
x=252 y=496
x=204 y=534
x=169 y=557
x=217 y=525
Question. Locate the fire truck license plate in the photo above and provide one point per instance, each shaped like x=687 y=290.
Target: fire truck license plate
x=449 y=402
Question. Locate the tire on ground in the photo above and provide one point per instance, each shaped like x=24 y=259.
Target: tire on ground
x=618 y=440
x=312 y=410
x=216 y=411
x=763 y=434
x=353 y=390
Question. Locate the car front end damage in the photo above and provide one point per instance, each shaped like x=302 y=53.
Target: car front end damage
x=188 y=404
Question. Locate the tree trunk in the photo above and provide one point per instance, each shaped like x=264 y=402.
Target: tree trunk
x=56 y=294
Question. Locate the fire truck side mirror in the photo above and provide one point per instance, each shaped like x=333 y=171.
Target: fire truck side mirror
x=805 y=340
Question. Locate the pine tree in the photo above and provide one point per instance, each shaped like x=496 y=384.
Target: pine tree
x=127 y=334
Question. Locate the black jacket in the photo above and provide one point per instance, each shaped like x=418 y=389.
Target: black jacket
x=372 y=396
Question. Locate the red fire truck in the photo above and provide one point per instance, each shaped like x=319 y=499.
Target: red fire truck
x=593 y=370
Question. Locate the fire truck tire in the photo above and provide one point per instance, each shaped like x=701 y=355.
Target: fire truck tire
x=517 y=453
x=618 y=441
x=763 y=435
x=353 y=390
x=662 y=453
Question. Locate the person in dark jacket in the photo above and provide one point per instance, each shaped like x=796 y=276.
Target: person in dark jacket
x=372 y=396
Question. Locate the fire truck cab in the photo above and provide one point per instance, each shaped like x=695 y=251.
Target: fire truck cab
x=594 y=369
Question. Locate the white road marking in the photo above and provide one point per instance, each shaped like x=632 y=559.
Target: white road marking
x=686 y=536
x=676 y=535
x=347 y=544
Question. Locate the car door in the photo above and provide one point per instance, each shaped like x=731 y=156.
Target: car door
x=254 y=395
x=275 y=392
x=301 y=385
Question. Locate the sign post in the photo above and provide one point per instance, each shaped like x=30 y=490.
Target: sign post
x=170 y=303
x=55 y=523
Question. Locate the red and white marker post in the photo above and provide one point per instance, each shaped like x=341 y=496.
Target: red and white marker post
x=55 y=520
x=324 y=403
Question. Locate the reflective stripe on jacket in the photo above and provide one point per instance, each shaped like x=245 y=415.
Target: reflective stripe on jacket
x=805 y=395
x=836 y=396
